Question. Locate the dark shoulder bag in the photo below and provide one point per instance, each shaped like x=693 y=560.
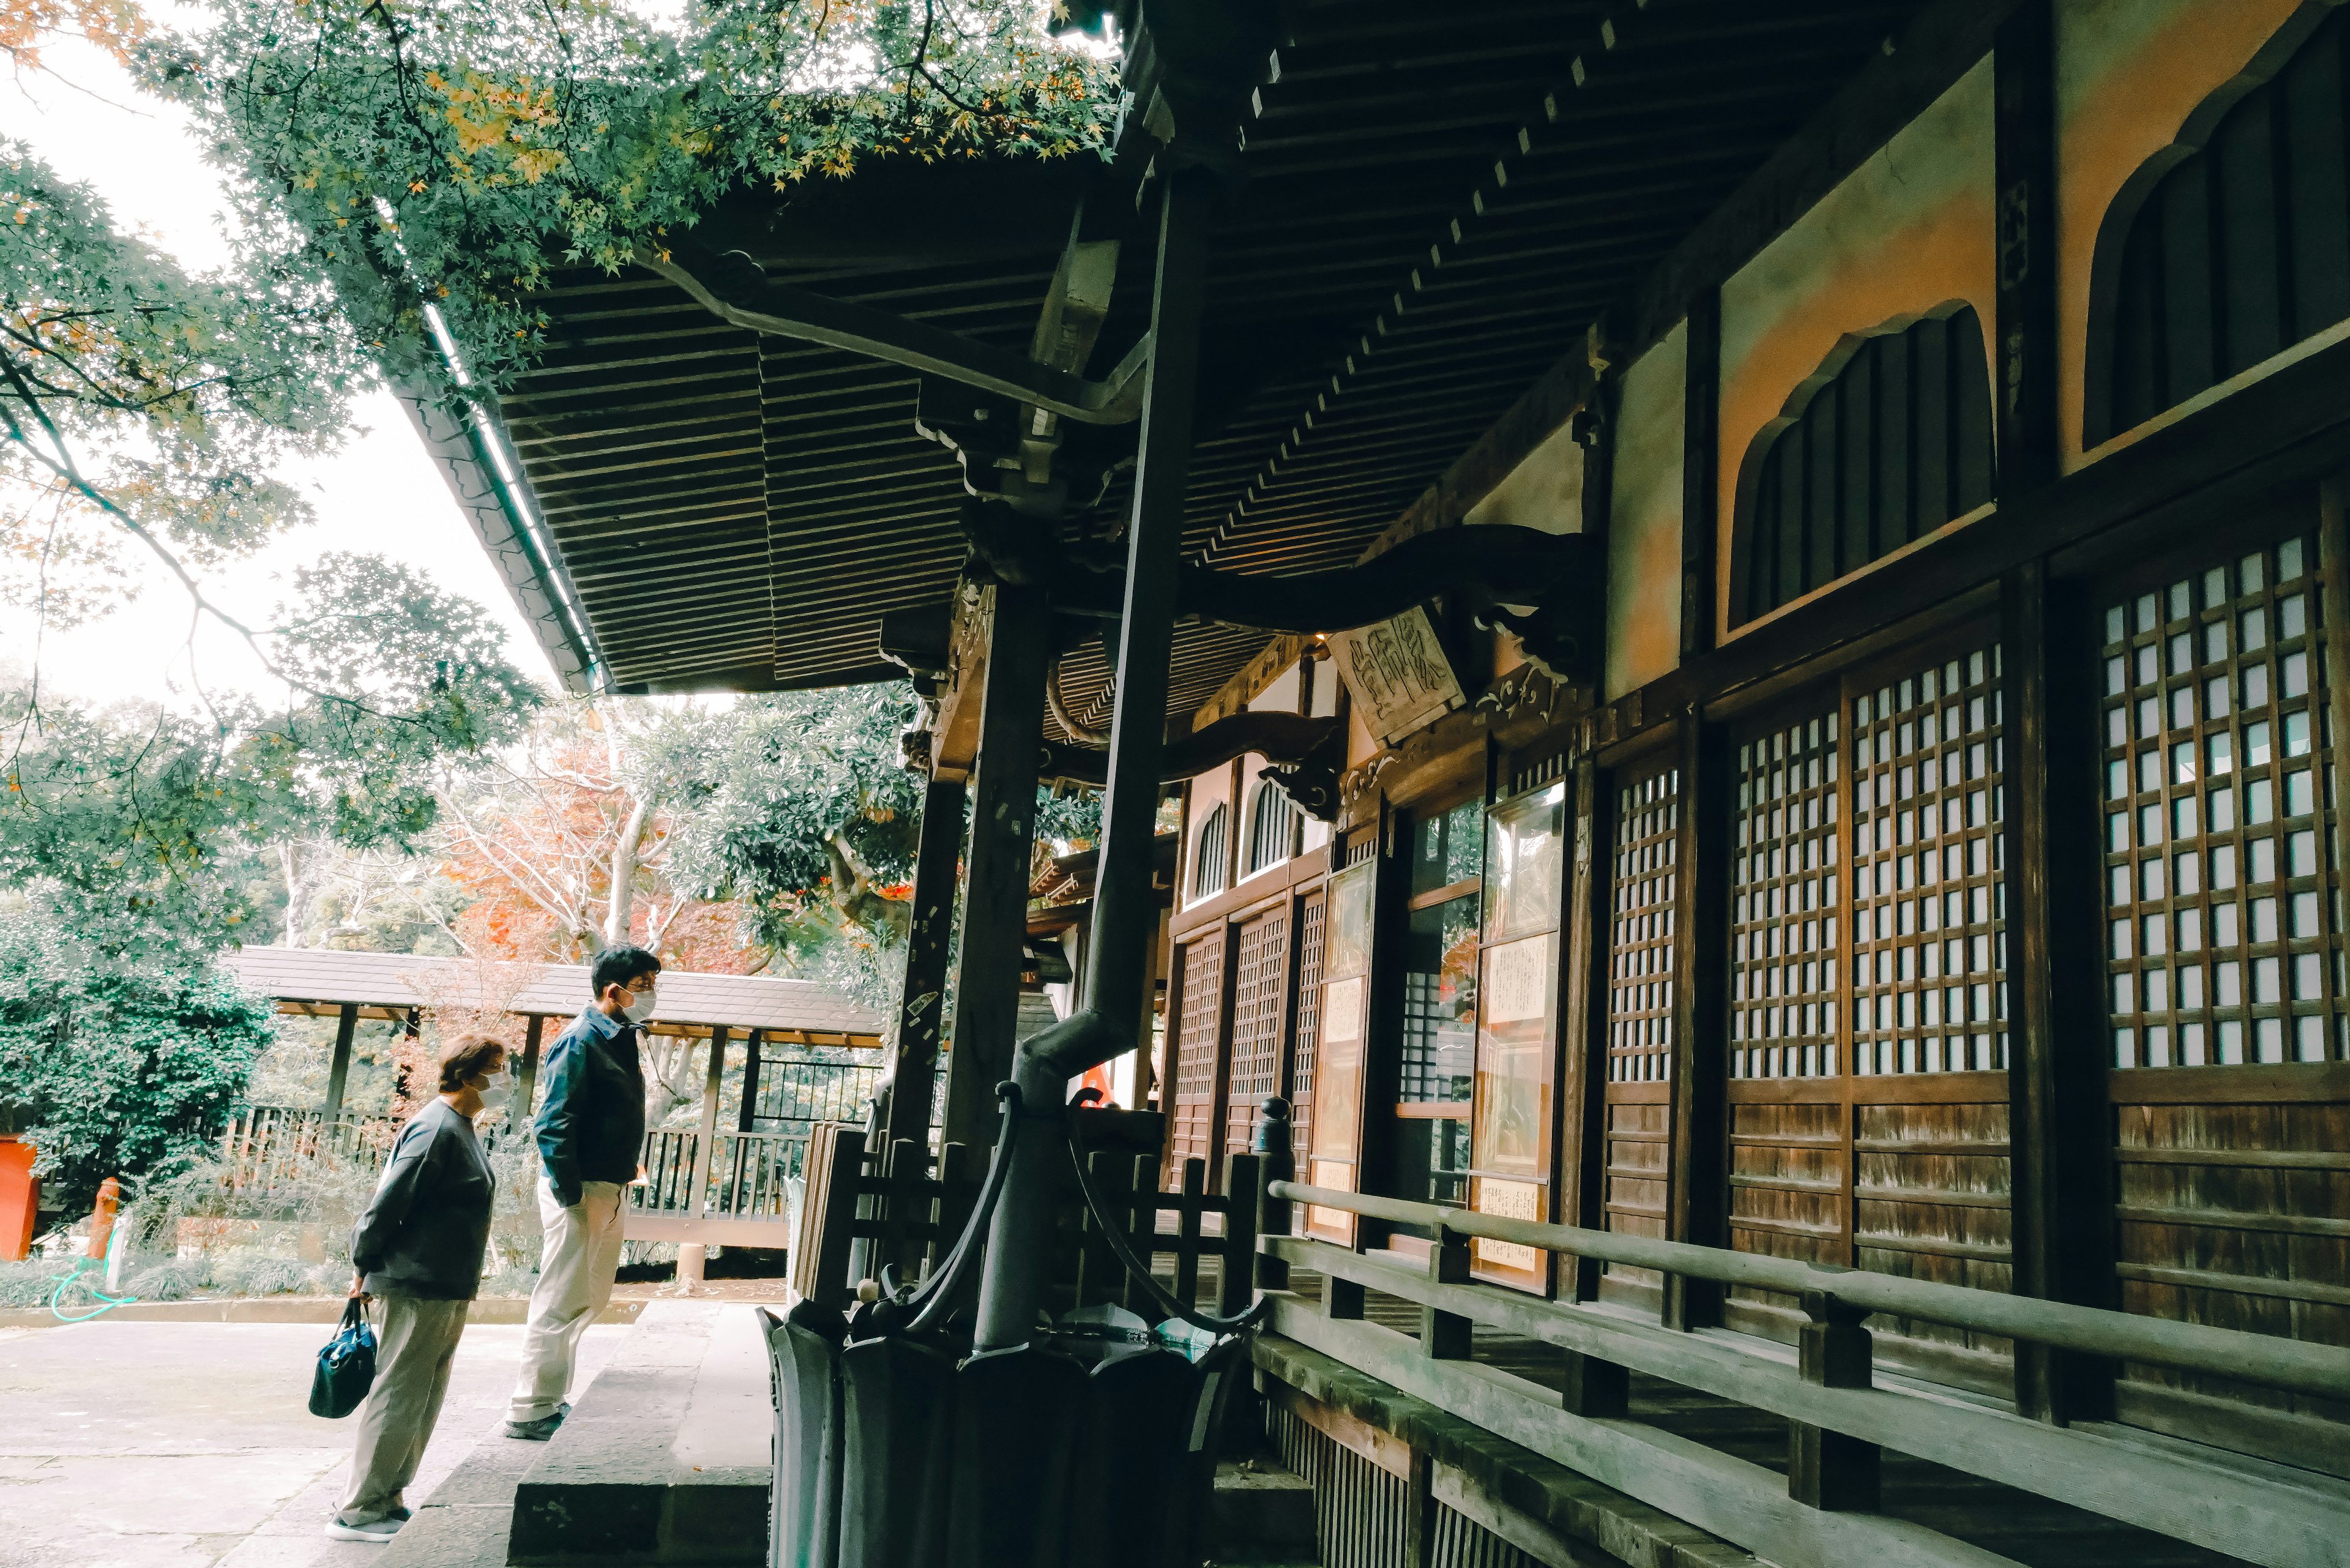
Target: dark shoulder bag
x=346 y=1367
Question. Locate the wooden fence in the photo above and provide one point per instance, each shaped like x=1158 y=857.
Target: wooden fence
x=267 y=1147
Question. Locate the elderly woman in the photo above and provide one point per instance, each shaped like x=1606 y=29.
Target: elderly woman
x=418 y=1250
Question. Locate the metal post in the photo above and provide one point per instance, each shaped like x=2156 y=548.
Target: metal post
x=995 y=887
x=921 y=1009
x=347 y=1024
x=1126 y=908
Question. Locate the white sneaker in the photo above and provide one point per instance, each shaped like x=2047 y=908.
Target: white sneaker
x=377 y=1531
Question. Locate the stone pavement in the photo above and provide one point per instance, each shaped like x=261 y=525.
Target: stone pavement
x=190 y=1445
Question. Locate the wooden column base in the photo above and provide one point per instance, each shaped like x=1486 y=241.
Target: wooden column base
x=1597 y=1389
x=1829 y=1471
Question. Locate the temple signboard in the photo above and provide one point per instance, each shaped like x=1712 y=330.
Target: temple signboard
x=1398 y=674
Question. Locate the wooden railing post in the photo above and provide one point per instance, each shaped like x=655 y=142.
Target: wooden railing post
x=1445 y=1335
x=1276 y=1161
x=1829 y=1469
x=1236 y=1274
x=1595 y=1388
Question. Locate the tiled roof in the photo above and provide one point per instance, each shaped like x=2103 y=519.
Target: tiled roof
x=406 y=980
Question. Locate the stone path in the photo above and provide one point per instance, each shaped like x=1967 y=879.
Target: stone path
x=189 y=1445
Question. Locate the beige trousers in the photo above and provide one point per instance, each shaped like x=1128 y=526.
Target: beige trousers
x=576 y=1265
x=418 y=1341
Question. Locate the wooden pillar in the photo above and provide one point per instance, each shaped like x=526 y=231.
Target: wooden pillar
x=2023 y=65
x=1827 y=1469
x=921 y=1006
x=1581 y=1140
x=1700 y=971
x=690 y=1255
x=1700 y=468
x=752 y=1045
x=2058 y=1131
x=995 y=884
x=347 y=1024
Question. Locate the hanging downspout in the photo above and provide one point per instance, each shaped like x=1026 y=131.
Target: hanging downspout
x=1126 y=907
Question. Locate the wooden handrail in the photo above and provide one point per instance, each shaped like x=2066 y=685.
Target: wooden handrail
x=2183 y=1347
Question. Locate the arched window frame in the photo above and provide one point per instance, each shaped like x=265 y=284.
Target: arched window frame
x=1211 y=853
x=1272 y=828
x=1970 y=417
x=2100 y=419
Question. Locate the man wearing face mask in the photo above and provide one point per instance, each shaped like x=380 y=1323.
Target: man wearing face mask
x=590 y=1132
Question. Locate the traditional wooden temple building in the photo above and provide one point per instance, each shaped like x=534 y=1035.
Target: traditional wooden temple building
x=1745 y=625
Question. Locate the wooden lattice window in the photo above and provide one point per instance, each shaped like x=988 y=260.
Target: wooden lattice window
x=1273 y=823
x=1209 y=858
x=2222 y=887
x=1786 y=909
x=1309 y=1024
x=1640 y=965
x=1262 y=957
x=1887 y=441
x=1929 y=916
x=2228 y=246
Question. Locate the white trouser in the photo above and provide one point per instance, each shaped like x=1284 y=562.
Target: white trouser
x=412 y=1374
x=575 y=1266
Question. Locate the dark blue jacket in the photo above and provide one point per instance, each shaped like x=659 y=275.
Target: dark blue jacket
x=591 y=1125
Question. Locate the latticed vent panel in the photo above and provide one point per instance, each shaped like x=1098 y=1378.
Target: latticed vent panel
x=1928 y=937
x=1784 y=919
x=2221 y=889
x=1256 y=1007
x=1640 y=971
x=1309 y=1024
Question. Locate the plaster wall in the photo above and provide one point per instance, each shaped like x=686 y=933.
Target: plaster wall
x=1910 y=229
x=1544 y=492
x=1644 y=522
x=1280 y=695
x=2128 y=73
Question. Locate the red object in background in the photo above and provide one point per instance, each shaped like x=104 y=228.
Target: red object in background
x=20 y=1199
x=101 y=1217
x=1099 y=1078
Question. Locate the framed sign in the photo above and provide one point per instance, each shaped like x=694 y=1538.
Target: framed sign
x=1397 y=673
x=1517 y=1034
x=1333 y=1158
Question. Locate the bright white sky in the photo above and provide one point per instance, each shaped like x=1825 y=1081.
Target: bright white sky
x=380 y=495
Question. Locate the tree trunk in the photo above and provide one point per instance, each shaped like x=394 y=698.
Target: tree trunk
x=621 y=908
x=292 y=896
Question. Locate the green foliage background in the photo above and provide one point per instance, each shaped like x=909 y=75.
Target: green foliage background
x=121 y=1067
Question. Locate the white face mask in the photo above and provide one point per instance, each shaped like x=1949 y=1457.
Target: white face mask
x=639 y=1010
x=499 y=1090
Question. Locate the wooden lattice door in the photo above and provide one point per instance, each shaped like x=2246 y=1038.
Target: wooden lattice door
x=1200 y=968
x=1260 y=1018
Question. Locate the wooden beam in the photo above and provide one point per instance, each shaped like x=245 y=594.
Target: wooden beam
x=2024 y=134
x=1582 y=1028
x=2059 y=1129
x=753 y=1044
x=996 y=887
x=1700 y=468
x=921 y=1006
x=1700 y=1132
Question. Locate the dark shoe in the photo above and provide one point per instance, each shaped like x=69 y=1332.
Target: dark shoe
x=539 y=1431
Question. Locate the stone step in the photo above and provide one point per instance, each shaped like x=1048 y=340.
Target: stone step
x=666 y=1458
x=1263 y=1513
x=466 y=1521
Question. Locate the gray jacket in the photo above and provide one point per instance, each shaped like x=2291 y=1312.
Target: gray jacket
x=425 y=1232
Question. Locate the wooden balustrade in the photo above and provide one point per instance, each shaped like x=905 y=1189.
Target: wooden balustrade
x=1840 y=1415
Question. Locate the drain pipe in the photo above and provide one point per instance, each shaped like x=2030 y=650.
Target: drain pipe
x=1125 y=908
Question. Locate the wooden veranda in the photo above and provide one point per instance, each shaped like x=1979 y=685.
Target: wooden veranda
x=1744 y=609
